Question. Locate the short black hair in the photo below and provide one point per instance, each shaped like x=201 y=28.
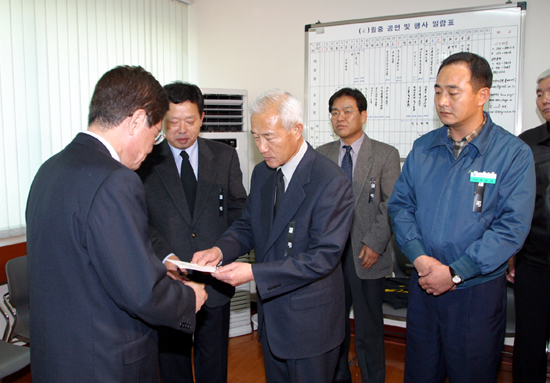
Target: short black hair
x=179 y=92
x=123 y=90
x=482 y=76
x=355 y=93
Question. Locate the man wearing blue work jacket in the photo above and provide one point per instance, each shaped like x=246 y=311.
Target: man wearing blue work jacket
x=460 y=209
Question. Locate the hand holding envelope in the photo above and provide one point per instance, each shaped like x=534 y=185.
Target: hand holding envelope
x=178 y=270
x=173 y=270
x=210 y=257
x=192 y=266
x=235 y=273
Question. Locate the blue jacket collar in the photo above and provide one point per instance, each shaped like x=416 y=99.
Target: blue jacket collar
x=481 y=143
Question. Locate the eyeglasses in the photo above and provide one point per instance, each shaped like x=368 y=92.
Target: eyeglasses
x=161 y=136
x=345 y=113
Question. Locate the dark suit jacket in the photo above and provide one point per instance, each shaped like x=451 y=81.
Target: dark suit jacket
x=96 y=285
x=172 y=229
x=300 y=290
x=371 y=223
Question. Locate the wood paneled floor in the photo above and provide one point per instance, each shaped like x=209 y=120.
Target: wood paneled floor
x=246 y=363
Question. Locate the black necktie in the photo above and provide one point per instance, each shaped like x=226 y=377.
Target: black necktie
x=188 y=181
x=347 y=164
x=279 y=190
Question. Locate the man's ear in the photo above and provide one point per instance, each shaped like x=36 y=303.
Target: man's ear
x=363 y=117
x=483 y=94
x=137 y=120
x=298 y=129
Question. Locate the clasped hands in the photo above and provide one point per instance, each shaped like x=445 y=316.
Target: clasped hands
x=434 y=277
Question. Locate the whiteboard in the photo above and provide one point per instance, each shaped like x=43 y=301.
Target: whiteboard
x=394 y=62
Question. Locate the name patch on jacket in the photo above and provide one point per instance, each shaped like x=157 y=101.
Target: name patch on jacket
x=372 y=190
x=290 y=238
x=484 y=177
x=221 y=199
x=478 y=197
x=481 y=178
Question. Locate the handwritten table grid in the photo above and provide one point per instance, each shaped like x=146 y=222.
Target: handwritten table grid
x=396 y=71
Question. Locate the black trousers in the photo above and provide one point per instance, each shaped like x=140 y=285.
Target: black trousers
x=367 y=296
x=209 y=346
x=532 y=298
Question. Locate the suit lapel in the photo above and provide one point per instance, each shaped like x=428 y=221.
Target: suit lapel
x=362 y=167
x=168 y=173
x=267 y=191
x=293 y=198
x=333 y=151
x=206 y=177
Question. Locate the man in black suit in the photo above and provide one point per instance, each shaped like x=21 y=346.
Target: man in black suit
x=529 y=270
x=96 y=286
x=297 y=218
x=194 y=191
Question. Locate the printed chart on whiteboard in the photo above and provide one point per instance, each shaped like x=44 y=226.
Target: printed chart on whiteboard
x=394 y=63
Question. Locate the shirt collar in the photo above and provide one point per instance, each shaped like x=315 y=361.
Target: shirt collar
x=471 y=136
x=191 y=151
x=481 y=143
x=355 y=146
x=109 y=147
x=289 y=168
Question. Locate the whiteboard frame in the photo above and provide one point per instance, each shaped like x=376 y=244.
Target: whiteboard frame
x=522 y=5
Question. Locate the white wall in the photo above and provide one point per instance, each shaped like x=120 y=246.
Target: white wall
x=259 y=44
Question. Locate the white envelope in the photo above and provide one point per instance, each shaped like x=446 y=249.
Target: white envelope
x=192 y=266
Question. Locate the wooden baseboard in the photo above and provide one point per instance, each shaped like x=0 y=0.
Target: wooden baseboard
x=395 y=334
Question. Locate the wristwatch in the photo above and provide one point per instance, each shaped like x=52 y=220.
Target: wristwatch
x=454 y=277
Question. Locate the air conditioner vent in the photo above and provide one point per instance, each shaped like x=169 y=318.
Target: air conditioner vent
x=222 y=96
x=224 y=112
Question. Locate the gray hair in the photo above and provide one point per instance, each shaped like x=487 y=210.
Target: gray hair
x=543 y=75
x=288 y=107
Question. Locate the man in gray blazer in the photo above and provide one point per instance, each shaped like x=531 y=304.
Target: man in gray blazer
x=191 y=201
x=373 y=168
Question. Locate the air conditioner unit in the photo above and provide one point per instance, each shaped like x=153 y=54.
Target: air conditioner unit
x=226 y=120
